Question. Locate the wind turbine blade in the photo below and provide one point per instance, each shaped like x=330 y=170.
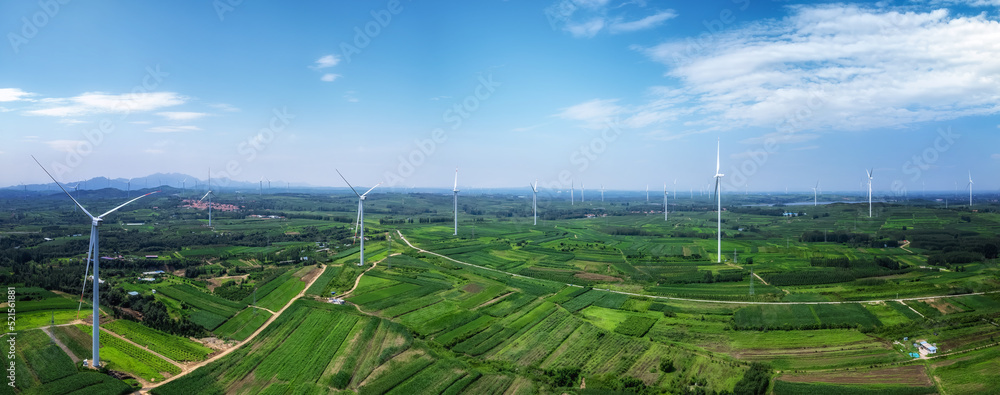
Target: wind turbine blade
x=63 y=189
x=456 y=180
x=376 y=186
x=348 y=183
x=206 y=195
x=125 y=204
x=718 y=145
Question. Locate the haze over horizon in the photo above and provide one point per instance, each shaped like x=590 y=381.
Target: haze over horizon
x=622 y=94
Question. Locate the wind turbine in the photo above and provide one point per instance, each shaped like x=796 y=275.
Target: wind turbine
x=870 y=173
x=665 y=207
x=583 y=188
x=814 y=193
x=718 y=194
x=209 y=195
x=183 y=186
x=572 y=189
x=970 y=189
x=94 y=255
x=602 y=193
x=454 y=190
x=647 y=193
x=260 y=187
x=361 y=214
x=534 y=200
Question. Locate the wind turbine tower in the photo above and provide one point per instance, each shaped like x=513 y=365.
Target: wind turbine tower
x=572 y=193
x=534 y=200
x=718 y=194
x=870 y=173
x=665 y=207
x=93 y=253
x=455 y=192
x=815 y=188
x=970 y=189
x=361 y=214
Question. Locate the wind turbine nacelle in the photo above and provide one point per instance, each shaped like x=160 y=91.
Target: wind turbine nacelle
x=362 y=198
x=97 y=221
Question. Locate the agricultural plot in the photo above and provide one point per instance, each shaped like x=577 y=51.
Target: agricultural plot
x=171 y=346
x=244 y=324
x=330 y=347
x=121 y=355
x=210 y=311
x=819 y=316
x=42 y=368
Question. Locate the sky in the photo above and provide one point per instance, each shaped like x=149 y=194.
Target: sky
x=622 y=94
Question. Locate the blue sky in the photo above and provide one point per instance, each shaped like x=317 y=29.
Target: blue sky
x=619 y=93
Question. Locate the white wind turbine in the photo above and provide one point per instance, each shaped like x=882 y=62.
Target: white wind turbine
x=361 y=214
x=647 y=193
x=93 y=255
x=665 y=207
x=870 y=173
x=455 y=191
x=602 y=193
x=209 y=195
x=718 y=193
x=534 y=200
x=583 y=188
x=128 y=187
x=815 y=188
x=970 y=189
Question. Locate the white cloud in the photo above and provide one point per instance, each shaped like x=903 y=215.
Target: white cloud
x=140 y=122
x=586 y=29
x=329 y=77
x=528 y=128
x=642 y=24
x=65 y=145
x=995 y=156
x=181 y=116
x=5 y=109
x=71 y=121
x=840 y=68
x=326 y=61
x=224 y=107
x=173 y=129
x=594 y=113
x=14 y=94
x=98 y=102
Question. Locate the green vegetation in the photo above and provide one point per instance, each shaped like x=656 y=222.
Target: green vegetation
x=623 y=300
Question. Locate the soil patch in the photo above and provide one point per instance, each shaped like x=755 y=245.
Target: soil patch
x=596 y=277
x=472 y=288
x=914 y=376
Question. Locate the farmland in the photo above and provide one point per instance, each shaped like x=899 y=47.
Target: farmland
x=624 y=302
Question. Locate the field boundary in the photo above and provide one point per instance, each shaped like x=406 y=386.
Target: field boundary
x=690 y=299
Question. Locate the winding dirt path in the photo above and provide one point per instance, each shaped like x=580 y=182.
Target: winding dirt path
x=689 y=299
x=191 y=368
x=61 y=345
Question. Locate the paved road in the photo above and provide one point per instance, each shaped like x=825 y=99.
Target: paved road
x=696 y=300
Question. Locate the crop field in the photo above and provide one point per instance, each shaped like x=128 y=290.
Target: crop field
x=241 y=325
x=209 y=310
x=324 y=358
x=43 y=368
x=121 y=355
x=626 y=300
x=171 y=346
